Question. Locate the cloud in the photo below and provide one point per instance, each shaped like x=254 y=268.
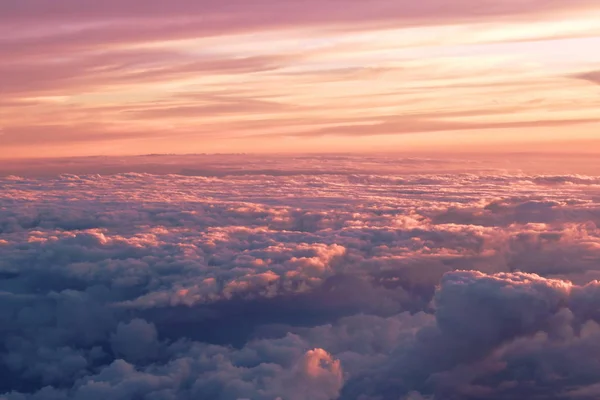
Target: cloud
x=33 y=10
x=297 y=277
x=497 y=337
x=136 y=341
x=96 y=70
x=592 y=76
x=136 y=76
x=407 y=125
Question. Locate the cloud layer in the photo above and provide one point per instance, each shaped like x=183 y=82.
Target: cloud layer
x=294 y=285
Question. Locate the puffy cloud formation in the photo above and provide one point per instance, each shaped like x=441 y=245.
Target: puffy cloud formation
x=501 y=336
x=295 y=285
x=136 y=341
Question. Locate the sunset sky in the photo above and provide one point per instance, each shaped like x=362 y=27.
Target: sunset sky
x=115 y=77
x=299 y=199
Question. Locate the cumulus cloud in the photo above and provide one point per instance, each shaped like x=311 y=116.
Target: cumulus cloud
x=496 y=336
x=296 y=285
x=136 y=340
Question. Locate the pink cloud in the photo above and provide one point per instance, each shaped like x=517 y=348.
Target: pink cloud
x=33 y=24
x=407 y=125
x=263 y=10
x=109 y=61
x=592 y=76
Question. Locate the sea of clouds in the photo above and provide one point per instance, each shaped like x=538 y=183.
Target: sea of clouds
x=298 y=279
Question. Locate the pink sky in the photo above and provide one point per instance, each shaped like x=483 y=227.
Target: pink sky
x=129 y=77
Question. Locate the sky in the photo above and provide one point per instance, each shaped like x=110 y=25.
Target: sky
x=193 y=193
x=197 y=76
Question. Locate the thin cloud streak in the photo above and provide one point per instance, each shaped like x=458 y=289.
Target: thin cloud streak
x=415 y=125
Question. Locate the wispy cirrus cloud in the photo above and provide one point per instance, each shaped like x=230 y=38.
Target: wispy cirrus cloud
x=592 y=76
x=232 y=10
x=75 y=64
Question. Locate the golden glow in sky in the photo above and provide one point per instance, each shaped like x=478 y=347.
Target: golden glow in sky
x=131 y=77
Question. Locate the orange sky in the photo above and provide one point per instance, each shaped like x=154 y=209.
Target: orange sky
x=114 y=77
